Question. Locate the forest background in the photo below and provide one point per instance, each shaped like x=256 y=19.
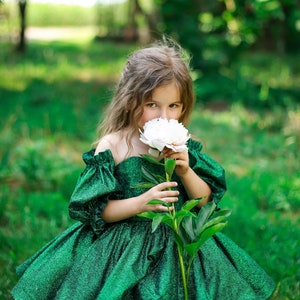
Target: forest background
x=57 y=73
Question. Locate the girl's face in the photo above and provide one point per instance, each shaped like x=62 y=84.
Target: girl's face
x=165 y=103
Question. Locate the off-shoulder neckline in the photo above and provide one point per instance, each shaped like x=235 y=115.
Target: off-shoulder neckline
x=108 y=152
x=103 y=155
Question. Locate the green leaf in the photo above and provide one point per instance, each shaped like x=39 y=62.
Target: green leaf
x=167 y=219
x=151 y=159
x=212 y=206
x=188 y=226
x=156 y=201
x=184 y=235
x=222 y=212
x=159 y=178
x=144 y=185
x=148 y=214
x=191 y=249
x=208 y=233
x=211 y=223
x=191 y=204
x=204 y=214
x=170 y=165
x=156 y=221
x=154 y=178
x=181 y=214
x=149 y=176
x=178 y=240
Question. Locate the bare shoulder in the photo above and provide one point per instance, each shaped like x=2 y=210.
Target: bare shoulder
x=107 y=142
x=116 y=143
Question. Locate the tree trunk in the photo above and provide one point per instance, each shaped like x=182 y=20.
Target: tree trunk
x=22 y=14
x=150 y=19
x=131 y=31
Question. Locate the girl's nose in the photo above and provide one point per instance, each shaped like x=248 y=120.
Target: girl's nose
x=163 y=114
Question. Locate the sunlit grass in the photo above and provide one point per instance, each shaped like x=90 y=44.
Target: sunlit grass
x=51 y=101
x=61 y=62
x=263 y=170
x=282 y=72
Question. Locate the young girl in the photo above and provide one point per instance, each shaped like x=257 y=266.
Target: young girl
x=111 y=253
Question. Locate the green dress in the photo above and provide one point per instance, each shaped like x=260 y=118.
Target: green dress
x=124 y=260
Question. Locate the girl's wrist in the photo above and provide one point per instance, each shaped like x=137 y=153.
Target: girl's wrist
x=137 y=208
x=185 y=174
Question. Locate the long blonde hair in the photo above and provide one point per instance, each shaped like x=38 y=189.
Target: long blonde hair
x=146 y=69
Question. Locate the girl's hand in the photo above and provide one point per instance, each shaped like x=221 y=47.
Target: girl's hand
x=182 y=160
x=159 y=192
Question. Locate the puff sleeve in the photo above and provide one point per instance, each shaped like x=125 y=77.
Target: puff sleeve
x=93 y=189
x=208 y=169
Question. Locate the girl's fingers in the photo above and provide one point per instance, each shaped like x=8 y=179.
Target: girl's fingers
x=170 y=199
x=164 y=208
x=165 y=185
x=166 y=194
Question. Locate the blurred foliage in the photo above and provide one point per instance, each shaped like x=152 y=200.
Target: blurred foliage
x=247 y=78
x=223 y=28
x=218 y=34
x=111 y=19
x=52 y=98
x=273 y=84
x=229 y=27
x=44 y=15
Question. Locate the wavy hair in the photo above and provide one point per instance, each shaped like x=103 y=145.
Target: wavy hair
x=146 y=69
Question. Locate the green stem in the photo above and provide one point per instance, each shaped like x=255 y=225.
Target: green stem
x=183 y=275
x=181 y=262
x=176 y=229
x=189 y=268
x=173 y=212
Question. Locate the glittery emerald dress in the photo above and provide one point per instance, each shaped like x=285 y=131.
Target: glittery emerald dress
x=124 y=260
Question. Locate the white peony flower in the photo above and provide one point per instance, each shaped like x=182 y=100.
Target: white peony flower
x=160 y=133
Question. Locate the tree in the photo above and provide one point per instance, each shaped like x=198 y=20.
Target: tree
x=151 y=18
x=126 y=21
x=22 y=4
x=180 y=20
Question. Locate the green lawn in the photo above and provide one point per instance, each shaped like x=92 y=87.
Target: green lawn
x=51 y=100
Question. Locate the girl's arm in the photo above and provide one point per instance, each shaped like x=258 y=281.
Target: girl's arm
x=195 y=187
x=117 y=210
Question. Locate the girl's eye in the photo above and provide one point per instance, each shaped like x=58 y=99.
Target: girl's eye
x=151 y=104
x=174 y=105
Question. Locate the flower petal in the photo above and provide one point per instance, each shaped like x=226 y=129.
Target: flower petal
x=160 y=133
x=154 y=152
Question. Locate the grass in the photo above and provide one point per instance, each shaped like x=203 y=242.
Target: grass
x=51 y=101
x=263 y=187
